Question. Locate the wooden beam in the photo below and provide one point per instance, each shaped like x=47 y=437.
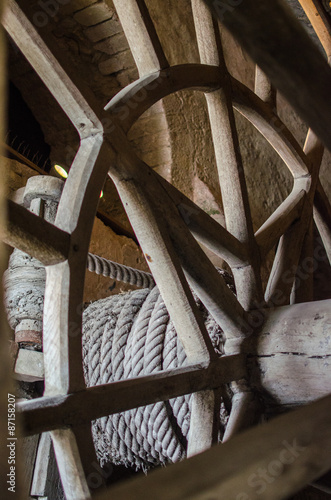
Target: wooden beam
x=206 y=229
x=322 y=218
x=35 y=236
x=7 y=389
x=228 y=158
x=23 y=160
x=285 y=270
x=204 y=421
x=75 y=215
x=320 y=22
x=29 y=366
x=288 y=360
x=141 y=34
x=245 y=412
x=70 y=465
x=285 y=264
x=152 y=232
x=260 y=27
x=47 y=413
x=270 y=462
x=234 y=193
x=280 y=220
x=165 y=239
x=49 y=70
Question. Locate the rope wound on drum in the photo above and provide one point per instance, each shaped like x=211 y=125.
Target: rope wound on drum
x=130 y=335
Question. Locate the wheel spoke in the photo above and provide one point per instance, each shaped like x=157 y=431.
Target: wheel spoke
x=70 y=466
x=322 y=218
x=253 y=24
x=206 y=229
x=303 y=286
x=228 y=159
x=280 y=221
x=204 y=423
x=165 y=267
x=140 y=32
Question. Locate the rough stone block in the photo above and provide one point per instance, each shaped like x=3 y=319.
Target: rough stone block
x=103 y=30
x=94 y=14
x=75 y=5
x=124 y=78
x=116 y=63
x=113 y=44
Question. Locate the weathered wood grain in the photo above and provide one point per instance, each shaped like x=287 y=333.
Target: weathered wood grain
x=260 y=27
x=70 y=465
x=48 y=413
x=141 y=35
x=322 y=217
x=290 y=360
x=35 y=236
x=228 y=158
x=280 y=221
x=29 y=366
x=319 y=21
x=270 y=462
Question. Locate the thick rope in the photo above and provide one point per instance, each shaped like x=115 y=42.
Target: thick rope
x=131 y=335
x=119 y=272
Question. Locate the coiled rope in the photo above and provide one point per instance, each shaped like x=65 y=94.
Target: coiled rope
x=126 y=336
x=119 y=272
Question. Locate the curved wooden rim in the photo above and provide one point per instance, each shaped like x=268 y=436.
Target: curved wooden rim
x=131 y=102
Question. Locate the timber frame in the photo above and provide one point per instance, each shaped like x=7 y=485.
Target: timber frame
x=167 y=226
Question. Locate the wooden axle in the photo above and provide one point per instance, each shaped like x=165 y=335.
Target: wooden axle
x=289 y=362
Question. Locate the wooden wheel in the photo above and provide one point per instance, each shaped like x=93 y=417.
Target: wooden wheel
x=167 y=225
